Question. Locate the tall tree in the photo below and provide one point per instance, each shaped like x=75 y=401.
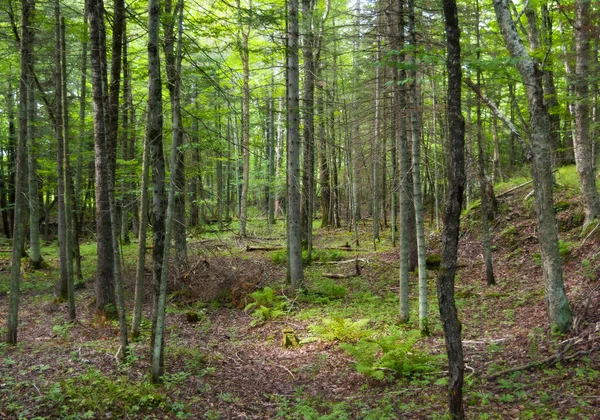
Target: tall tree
x=584 y=156
x=173 y=67
x=245 y=55
x=295 y=272
x=59 y=127
x=456 y=186
x=558 y=305
x=415 y=130
x=105 y=287
x=25 y=84
x=154 y=126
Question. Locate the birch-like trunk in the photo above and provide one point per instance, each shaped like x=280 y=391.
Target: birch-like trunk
x=558 y=305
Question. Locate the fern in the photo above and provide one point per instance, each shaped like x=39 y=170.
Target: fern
x=393 y=354
x=267 y=305
x=341 y=329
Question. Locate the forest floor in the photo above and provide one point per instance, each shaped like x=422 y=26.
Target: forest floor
x=224 y=362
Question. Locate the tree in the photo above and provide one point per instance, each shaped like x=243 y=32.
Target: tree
x=154 y=126
x=584 y=156
x=244 y=53
x=25 y=85
x=456 y=184
x=105 y=287
x=173 y=66
x=295 y=272
x=539 y=121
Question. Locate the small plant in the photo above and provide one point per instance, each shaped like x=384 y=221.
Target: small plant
x=62 y=331
x=266 y=306
x=394 y=354
x=324 y=290
x=341 y=329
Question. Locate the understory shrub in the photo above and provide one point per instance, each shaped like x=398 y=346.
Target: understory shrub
x=341 y=329
x=266 y=306
x=392 y=355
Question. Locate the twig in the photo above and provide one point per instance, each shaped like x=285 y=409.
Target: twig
x=513 y=189
x=590 y=234
x=288 y=371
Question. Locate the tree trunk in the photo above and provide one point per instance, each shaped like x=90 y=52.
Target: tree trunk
x=584 y=156
x=141 y=261
x=155 y=141
x=244 y=54
x=66 y=169
x=173 y=66
x=402 y=140
x=308 y=133
x=375 y=153
x=416 y=169
x=105 y=287
x=295 y=272
x=456 y=185
x=483 y=182
x=62 y=289
x=25 y=85
x=558 y=305
x=35 y=255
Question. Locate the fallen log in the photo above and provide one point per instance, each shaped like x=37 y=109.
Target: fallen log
x=250 y=248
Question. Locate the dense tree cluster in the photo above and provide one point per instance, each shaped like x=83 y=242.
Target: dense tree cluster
x=287 y=111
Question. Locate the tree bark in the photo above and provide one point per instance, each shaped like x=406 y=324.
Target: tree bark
x=62 y=288
x=558 y=305
x=105 y=287
x=155 y=141
x=456 y=184
x=295 y=272
x=35 y=255
x=244 y=54
x=173 y=66
x=584 y=156
x=416 y=169
x=25 y=85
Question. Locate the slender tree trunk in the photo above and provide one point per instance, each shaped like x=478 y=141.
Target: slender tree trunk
x=558 y=305
x=173 y=65
x=35 y=255
x=402 y=140
x=82 y=145
x=244 y=53
x=295 y=272
x=416 y=170
x=308 y=117
x=584 y=156
x=105 y=287
x=68 y=189
x=483 y=183
x=194 y=197
x=456 y=185
x=25 y=85
x=62 y=289
x=141 y=261
x=376 y=153
x=155 y=142
x=126 y=139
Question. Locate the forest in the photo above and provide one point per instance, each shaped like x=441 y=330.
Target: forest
x=299 y=209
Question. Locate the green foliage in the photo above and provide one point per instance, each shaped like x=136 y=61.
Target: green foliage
x=321 y=255
x=92 y=395
x=325 y=289
x=62 y=331
x=341 y=329
x=393 y=354
x=266 y=306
